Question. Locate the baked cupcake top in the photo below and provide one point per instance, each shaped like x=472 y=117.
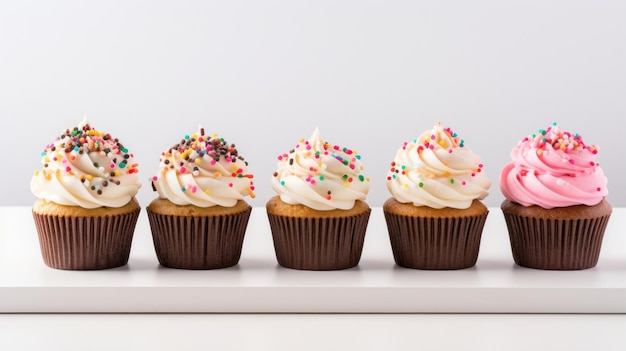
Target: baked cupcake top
x=88 y=168
x=553 y=168
x=437 y=170
x=320 y=175
x=204 y=171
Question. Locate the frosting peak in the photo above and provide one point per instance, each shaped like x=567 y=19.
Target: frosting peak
x=553 y=168
x=437 y=170
x=320 y=175
x=88 y=168
x=204 y=171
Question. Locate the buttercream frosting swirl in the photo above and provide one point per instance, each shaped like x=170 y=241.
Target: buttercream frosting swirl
x=88 y=168
x=437 y=170
x=320 y=175
x=553 y=168
x=204 y=171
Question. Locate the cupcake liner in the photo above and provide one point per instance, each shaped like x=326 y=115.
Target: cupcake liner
x=187 y=242
x=85 y=243
x=319 y=244
x=435 y=243
x=556 y=244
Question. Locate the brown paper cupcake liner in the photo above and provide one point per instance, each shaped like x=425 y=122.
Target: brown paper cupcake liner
x=555 y=244
x=319 y=244
x=85 y=243
x=435 y=243
x=198 y=242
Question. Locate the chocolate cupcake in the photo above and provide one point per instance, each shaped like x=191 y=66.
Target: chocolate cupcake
x=435 y=217
x=555 y=209
x=86 y=210
x=319 y=218
x=199 y=219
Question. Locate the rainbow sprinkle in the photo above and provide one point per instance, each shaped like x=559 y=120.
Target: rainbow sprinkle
x=555 y=138
x=79 y=141
x=325 y=153
x=449 y=141
x=197 y=148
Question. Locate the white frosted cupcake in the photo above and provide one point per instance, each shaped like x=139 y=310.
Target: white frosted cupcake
x=319 y=217
x=200 y=216
x=86 y=210
x=435 y=217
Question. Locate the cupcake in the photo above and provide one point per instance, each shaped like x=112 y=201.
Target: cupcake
x=200 y=216
x=86 y=209
x=555 y=207
x=319 y=217
x=435 y=217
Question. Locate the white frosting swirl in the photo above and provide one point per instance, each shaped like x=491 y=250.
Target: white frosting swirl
x=87 y=168
x=203 y=171
x=437 y=170
x=320 y=175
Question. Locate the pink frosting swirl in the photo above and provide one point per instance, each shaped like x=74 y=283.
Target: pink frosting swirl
x=553 y=168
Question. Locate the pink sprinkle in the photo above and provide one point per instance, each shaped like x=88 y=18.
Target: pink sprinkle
x=336 y=147
x=352 y=166
x=154 y=178
x=480 y=165
x=228 y=159
x=112 y=165
x=349 y=152
x=463 y=183
x=432 y=137
x=252 y=188
x=308 y=147
x=473 y=174
x=240 y=170
x=193 y=189
x=183 y=170
x=230 y=185
x=312 y=181
x=571 y=160
x=432 y=147
x=598 y=189
x=450 y=151
x=67 y=169
x=213 y=162
x=592 y=163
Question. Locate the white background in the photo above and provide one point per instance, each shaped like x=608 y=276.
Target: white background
x=263 y=74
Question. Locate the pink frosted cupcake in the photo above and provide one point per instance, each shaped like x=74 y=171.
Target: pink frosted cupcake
x=555 y=208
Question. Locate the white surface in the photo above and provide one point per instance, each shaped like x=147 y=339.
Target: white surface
x=313 y=332
x=263 y=74
x=258 y=284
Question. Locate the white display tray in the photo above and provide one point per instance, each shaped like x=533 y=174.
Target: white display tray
x=259 y=285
